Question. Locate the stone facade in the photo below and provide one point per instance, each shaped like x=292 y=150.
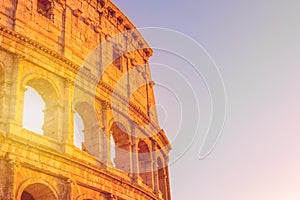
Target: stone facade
x=85 y=57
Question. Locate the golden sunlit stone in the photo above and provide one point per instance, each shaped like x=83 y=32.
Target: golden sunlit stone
x=44 y=44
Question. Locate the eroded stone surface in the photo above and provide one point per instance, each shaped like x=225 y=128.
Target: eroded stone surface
x=43 y=45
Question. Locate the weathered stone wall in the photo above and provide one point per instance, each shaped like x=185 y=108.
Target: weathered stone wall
x=45 y=44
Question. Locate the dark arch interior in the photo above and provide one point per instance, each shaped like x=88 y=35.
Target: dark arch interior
x=122 y=147
x=37 y=191
x=145 y=163
x=26 y=196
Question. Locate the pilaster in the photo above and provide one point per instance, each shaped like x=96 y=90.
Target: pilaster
x=155 y=168
x=68 y=115
x=134 y=156
x=106 y=143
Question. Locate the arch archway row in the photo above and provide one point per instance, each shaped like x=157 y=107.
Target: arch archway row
x=58 y=114
x=56 y=57
x=60 y=66
x=141 y=158
x=40 y=189
x=65 y=71
x=56 y=92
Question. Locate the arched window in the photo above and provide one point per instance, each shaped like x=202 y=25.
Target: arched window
x=41 y=96
x=38 y=191
x=145 y=163
x=78 y=131
x=33 y=117
x=122 y=148
x=90 y=136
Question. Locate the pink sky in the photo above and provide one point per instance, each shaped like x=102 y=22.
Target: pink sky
x=256 y=46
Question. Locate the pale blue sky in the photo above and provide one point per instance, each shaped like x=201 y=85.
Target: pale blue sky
x=256 y=46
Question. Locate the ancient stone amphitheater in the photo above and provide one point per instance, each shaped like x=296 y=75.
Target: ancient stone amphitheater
x=82 y=57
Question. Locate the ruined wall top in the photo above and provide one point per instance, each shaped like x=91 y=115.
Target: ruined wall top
x=70 y=28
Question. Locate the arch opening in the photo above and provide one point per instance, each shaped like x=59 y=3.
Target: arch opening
x=33 y=117
x=78 y=131
x=38 y=191
x=122 y=148
x=90 y=134
x=145 y=163
x=41 y=97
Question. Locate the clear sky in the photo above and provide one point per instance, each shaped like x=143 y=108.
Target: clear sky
x=256 y=46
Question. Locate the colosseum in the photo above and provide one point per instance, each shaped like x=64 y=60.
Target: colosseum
x=83 y=58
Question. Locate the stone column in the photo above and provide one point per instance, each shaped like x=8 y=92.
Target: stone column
x=52 y=120
x=106 y=154
x=92 y=140
x=7 y=173
x=68 y=115
x=155 y=168
x=2 y=109
x=5 y=98
x=151 y=166
x=168 y=195
x=134 y=157
x=166 y=183
x=14 y=99
x=4 y=84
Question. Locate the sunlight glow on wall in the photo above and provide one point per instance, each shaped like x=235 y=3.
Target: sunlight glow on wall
x=33 y=116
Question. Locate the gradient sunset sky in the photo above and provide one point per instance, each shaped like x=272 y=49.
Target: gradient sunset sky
x=256 y=46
